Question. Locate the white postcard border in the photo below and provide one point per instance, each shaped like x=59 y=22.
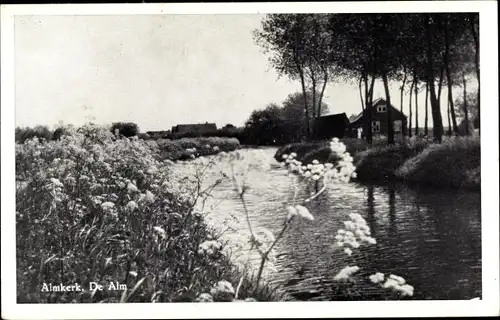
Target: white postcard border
x=489 y=305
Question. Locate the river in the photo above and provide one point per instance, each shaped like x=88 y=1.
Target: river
x=430 y=237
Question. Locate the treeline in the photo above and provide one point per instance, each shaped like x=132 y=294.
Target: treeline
x=43 y=133
x=421 y=51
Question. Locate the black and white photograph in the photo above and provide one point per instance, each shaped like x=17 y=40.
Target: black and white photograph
x=190 y=156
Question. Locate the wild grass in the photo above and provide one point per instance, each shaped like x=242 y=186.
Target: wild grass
x=381 y=163
x=93 y=209
x=454 y=163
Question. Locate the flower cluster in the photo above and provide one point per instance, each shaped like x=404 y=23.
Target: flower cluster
x=299 y=211
x=314 y=171
x=222 y=291
x=342 y=171
x=346 y=273
x=209 y=248
x=395 y=283
x=356 y=233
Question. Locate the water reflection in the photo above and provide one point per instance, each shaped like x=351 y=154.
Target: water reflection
x=431 y=237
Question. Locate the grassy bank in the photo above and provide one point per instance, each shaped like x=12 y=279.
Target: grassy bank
x=455 y=163
x=189 y=148
x=91 y=209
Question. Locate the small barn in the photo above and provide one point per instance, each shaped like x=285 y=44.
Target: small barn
x=330 y=126
x=198 y=128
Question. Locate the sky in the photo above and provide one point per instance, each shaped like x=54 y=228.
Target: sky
x=154 y=70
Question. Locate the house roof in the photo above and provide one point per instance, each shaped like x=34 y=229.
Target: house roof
x=195 y=125
x=335 y=117
x=374 y=103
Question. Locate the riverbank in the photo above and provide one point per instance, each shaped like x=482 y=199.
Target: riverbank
x=109 y=211
x=191 y=148
x=455 y=163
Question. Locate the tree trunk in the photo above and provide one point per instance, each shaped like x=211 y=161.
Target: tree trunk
x=364 y=112
x=466 y=111
x=368 y=111
x=402 y=89
x=437 y=120
x=410 y=110
x=476 y=62
x=449 y=118
x=440 y=89
x=390 y=124
x=416 y=109
x=360 y=84
x=451 y=108
x=325 y=80
x=426 y=121
x=304 y=92
x=314 y=107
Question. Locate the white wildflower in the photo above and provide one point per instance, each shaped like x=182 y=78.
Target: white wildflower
x=131 y=188
x=222 y=287
x=204 y=297
x=292 y=212
x=150 y=197
x=398 y=279
x=377 y=277
x=131 y=206
x=56 y=182
x=160 y=231
x=107 y=206
x=346 y=273
x=405 y=290
x=304 y=212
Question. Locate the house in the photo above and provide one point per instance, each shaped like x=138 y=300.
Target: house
x=198 y=128
x=330 y=126
x=379 y=123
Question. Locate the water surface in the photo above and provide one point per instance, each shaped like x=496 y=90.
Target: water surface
x=431 y=237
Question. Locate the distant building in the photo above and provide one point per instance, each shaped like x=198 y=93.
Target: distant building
x=379 y=121
x=330 y=126
x=158 y=134
x=199 y=128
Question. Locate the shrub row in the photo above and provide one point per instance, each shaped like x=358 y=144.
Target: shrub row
x=186 y=148
x=453 y=163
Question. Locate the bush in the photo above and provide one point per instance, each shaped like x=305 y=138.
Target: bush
x=323 y=155
x=381 y=163
x=454 y=163
x=27 y=133
x=182 y=149
x=300 y=148
x=97 y=209
x=126 y=129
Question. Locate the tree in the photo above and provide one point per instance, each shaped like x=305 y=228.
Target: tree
x=263 y=126
x=293 y=107
x=473 y=20
x=126 y=129
x=299 y=48
x=471 y=105
x=354 y=47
